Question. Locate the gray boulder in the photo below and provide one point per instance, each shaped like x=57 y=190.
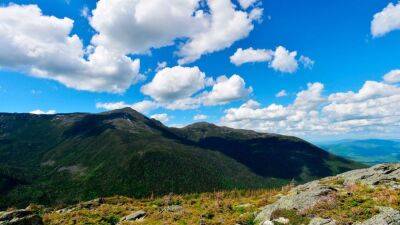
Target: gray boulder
x=306 y=196
x=173 y=208
x=387 y=216
x=20 y=217
x=320 y=221
x=300 y=198
x=134 y=216
x=387 y=174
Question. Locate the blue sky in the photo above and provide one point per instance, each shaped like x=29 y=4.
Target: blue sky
x=335 y=35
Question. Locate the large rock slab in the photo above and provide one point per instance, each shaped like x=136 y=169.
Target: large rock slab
x=134 y=216
x=387 y=216
x=20 y=217
x=388 y=174
x=306 y=196
x=320 y=221
x=300 y=198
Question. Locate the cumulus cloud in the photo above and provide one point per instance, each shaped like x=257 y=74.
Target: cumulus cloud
x=143 y=106
x=174 y=83
x=44 y=47
x=251 y=55
x=226 y=90
x=85 y=12
x=386 y=21
x=392 y=77
x=224 y=26
x=161 y=65
x=280 y=94
x=284 y=61
x=280 y=59
x=373 y=109
x=40 y=112
x=138 y=26
x=200 y=117
x=132 y=26
x=247 y=3
x=306 y=61
x=186 y=88
x=256 y=14
x=183 y=88
x=163 y=117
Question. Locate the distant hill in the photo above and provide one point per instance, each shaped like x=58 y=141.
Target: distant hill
x=66 y=158
x=370 y=151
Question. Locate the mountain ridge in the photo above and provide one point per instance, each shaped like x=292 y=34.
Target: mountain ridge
x=124 y=152
x=368 y=151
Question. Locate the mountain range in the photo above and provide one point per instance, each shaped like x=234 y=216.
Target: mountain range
x=66 y=158
x=368 y=151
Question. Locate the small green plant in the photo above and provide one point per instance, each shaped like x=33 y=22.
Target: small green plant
x=111 y=219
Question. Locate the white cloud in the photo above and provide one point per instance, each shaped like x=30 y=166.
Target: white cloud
x=247 y=3
x=143 y=106
x=280 y=94
x=174 y=83
x=224 y=26
x=163 y=117
x=226 y=90
x=373 y=110
x=386 y=21
x=251 y=55
x=184 y=103
x=284 y=61
x=311 y=98
x=186 y=88
x=137 y=26
x=392 y=77
x=307 y=62
x=281 y=59
x=161 y=65
x=200 y=117
x=43 y=46
x=40 y=112
x=256 y=14
x=85 y=12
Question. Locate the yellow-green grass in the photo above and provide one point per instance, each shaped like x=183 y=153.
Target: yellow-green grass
x=349 y=204
x=355 y=203
x=228 y=208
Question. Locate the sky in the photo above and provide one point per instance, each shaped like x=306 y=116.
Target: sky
x=320 y=70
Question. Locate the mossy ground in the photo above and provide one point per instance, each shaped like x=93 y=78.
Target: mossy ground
x=355 y=202
x=347 y=205
x=227 y=208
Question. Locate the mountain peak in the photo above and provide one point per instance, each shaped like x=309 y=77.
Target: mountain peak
x=127 y=111
x=201 y=125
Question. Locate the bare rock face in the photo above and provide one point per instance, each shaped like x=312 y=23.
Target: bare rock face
x=134 y=216
x=306 y=196
x=300 y=198
x=20 y=217
x=387 y=216
x=320 y=221
x=387 y=174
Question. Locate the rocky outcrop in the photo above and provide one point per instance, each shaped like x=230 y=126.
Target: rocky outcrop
x=20 y=217
x=306 y=196
x=320 y=221
x=387 y=174
x=134 y=216
x=387 y=216
x=300 y=198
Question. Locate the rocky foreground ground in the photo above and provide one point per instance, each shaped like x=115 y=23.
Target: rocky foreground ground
x=362 y=197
